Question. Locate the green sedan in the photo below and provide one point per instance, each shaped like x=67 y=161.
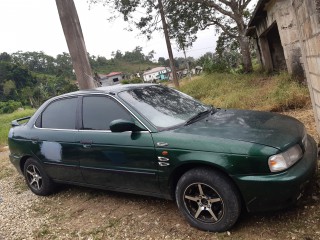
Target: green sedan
x=153 y=140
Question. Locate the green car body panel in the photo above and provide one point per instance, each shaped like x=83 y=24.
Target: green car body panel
x=238 y=143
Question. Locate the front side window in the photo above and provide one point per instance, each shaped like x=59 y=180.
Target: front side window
x=60 y=114
x=162 y=106
x=99 y=111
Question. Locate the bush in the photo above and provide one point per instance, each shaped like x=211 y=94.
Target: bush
x=215 y=66
x=135 y=80
x=9 y=107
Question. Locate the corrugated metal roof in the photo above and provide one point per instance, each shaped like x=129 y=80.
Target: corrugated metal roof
x=113 y=74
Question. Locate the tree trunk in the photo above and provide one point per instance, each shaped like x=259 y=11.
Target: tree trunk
x=166 y=34
x=245 y=52
x=77 y=48
x=187 y=62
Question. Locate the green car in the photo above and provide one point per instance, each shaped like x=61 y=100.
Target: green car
x=153 y=140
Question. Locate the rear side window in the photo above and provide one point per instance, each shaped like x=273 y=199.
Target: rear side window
x=60 y=114
x=99 y=111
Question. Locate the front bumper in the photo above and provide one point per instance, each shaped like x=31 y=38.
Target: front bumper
x=277 y=191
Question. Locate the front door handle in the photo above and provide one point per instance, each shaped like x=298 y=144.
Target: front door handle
x=86 y=143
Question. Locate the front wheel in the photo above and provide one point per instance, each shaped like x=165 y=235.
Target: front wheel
x=208 y=200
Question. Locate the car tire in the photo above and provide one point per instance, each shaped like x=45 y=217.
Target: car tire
x=208 y=200
x=37 y=179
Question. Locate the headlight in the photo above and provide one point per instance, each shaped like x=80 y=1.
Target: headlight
x=285 y=160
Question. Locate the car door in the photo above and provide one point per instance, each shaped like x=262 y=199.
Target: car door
x=123 y=160
x=53 y=139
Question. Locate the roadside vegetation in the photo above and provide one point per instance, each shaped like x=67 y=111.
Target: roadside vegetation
x=257 y=91
x=5 y=123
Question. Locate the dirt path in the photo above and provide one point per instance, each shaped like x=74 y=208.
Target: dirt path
x=82 y=213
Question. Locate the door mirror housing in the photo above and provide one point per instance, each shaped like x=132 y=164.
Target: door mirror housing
x=121 y=125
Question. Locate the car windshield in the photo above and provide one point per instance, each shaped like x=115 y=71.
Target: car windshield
x=163 y=107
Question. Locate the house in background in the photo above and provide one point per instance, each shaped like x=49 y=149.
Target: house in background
x=112 y=78
x=287 y=37
x=158 y=73
x=275 y=30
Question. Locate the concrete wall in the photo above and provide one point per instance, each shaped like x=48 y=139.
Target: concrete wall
x=298 y=23
x=280 y=12
x=307 y=16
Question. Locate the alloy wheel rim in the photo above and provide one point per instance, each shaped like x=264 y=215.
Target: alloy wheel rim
x=34 y=177
x=203 y=203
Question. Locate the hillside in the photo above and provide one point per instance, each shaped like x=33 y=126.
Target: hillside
x=125 y=67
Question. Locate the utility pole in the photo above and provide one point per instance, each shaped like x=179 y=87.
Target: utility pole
x=75 y=41
x=166 y=34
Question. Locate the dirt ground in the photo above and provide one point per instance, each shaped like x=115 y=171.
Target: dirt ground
x=83 y=213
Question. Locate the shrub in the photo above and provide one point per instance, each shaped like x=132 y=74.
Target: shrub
x=134 y=80
x=9 y=107
x=215 y=65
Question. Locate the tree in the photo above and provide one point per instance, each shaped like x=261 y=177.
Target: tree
x=35 y=61
x=229 y=16
x=9 y=87
x=64 y=65
x=117 y=55
x=135 y=56
x=150 y=55
x=162 y=60
x=227 y=50
x=5 y=57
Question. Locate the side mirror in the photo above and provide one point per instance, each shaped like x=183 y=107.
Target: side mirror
x=121 y=125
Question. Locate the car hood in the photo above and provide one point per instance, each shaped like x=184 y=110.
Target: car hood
x=264 y=128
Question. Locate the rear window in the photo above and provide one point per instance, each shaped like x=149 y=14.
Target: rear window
x=60 y=114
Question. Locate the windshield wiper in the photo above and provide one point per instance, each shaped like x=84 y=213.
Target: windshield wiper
x=198 y=116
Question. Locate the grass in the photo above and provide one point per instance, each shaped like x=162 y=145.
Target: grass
x=5 y=123
x=5 y=169
x=252 y=91
x=125 y=67
x=20 y=185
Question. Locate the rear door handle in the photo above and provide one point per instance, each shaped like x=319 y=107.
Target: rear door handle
x=86 y=143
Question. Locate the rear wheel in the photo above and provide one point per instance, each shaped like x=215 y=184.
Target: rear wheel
x=37 y=179
x=208 y=200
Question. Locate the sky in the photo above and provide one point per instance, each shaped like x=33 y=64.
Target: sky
x=34 y=25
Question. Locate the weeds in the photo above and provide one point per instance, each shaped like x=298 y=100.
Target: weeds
x=20 y=185
x=6 y=172
x=43 y=231
x=251 y=91
x=5 y=169
x=5 y=120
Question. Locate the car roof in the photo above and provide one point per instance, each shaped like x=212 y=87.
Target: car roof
x=110 y=89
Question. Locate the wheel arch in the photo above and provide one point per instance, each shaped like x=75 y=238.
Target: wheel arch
x=23 y=162
x=182 y=169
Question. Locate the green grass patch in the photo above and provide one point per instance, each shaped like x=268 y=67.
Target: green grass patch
x=248 y=91
x=5 y=123
x=125 y=67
